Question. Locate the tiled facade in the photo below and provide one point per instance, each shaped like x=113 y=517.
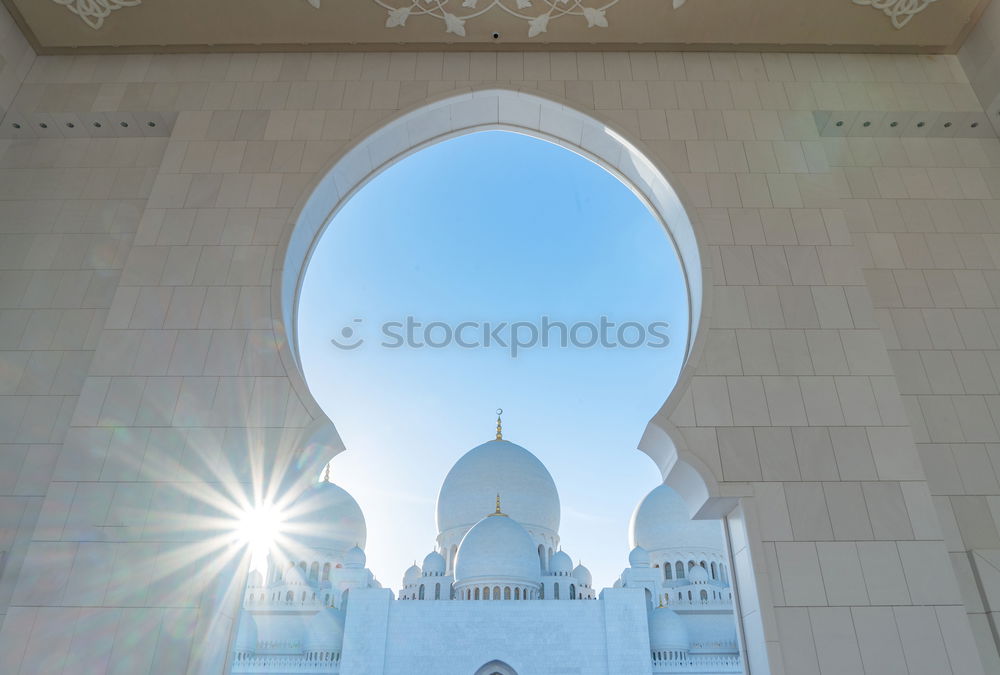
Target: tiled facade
x=846 y=388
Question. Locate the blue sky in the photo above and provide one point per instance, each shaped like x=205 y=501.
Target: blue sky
x=491 y=227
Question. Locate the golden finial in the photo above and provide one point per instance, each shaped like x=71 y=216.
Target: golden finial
x=326 y=476
x=498 y=512
x=499 y=424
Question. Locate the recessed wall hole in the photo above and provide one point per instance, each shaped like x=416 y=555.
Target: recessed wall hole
x=840 y=123
x=70 y=125
x=974 y=125
x=16 y=125
x=866 y=124
x=43 y=125
x=947 y=125
x=97 y=124
x=123 y=124
x=893 y=124
x=150 y=124
x=920 y=125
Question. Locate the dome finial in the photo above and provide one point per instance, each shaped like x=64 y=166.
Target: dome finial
x=499 y=424
x=326 y=475
x=498 y=512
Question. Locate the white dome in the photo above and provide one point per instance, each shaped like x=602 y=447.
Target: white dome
x=667 y=630
x=326 y=518
x=525 y=487
x=256 y=579
x=639 y=557
x=246 y=635
x=662 y=521
x=697 y=575
x=582 y=574
x=560 y=563
x=412 y=575
x=434 y=564
x=325 y=630
x=355 y=558
x=294 y=576
x=497 y=547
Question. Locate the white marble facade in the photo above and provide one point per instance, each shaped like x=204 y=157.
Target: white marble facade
x=839 y=410
x=507 y=591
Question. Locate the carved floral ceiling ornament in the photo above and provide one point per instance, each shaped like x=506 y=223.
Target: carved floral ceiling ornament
x=93 y=12
x=537 y=13
x=900 y=11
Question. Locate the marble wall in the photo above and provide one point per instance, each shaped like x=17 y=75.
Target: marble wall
x=845 y=393
x=16 y=57
x=980 y=57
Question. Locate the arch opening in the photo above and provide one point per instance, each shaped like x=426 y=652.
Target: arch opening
x=512 y=111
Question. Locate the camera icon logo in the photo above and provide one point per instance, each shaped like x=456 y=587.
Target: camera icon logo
x=350 y=339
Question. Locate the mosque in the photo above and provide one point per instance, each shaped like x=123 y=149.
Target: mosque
x=497 y=595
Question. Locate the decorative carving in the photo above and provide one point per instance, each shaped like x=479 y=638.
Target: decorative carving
x=900 y=11
x=454 y=16
x=93 y=12
x=454 y=21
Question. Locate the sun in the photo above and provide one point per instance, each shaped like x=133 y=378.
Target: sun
x=258 y=528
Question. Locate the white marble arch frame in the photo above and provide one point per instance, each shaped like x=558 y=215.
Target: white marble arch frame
x=468 y=111
x=540 y=115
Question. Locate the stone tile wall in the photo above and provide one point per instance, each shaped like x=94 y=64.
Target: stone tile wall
x=845 y=271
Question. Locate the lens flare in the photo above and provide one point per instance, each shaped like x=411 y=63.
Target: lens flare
x=258 y=528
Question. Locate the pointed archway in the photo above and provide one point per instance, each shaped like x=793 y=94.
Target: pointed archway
x=496 y=668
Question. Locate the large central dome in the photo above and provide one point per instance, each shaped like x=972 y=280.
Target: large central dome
x=498 y=467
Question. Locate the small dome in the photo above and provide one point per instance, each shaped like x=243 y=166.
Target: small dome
x=412 y=575
x=256 y=579
x=325 y=631
x=497 y=547
x=560 y=563
x=434 y=564
x=697 y=575
x=667 y=630
x=294 y=576
x=246 y=635
x=582 y=574
x=355 y=558
x=662 y=520
x=529 y=494
x=326 y=519
x=639 y=557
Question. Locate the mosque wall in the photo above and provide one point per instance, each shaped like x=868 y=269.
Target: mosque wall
x=69 y=211
x=16 y=57
x=848 y=268
x=980 y=57
x=601 y=637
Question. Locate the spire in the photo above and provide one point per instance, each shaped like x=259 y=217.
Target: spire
x=499 y=424
x=498 y=512
x=326 y=475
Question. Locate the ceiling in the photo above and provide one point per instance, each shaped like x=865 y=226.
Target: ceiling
x=238 y=25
